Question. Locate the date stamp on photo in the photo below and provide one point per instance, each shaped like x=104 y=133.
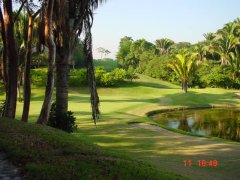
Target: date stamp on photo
x=201 y=163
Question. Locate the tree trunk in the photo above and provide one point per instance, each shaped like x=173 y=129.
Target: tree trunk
x=44 y=115
x=91 y=76
x=12 y=55
x=27 y=81
x=4 y=54
x=62 y=72
x=223 y=60
x=63 y=37
x=185 y=86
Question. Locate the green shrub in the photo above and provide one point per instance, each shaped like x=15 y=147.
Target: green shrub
x=107 y=80
x=217 y=77
x=63 y=121
x=119 y=74
x=131 y=74
x=99 y=71
x=39 y=76
x=78 y=77
x=103 y=78
x=158 y=68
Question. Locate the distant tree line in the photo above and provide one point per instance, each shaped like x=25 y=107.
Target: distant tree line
x=213 y=62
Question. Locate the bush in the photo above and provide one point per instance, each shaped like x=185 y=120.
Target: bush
x=103 y=78
x=107 y=80
x=65 y=122
x=158 y=68
x=39 y=76
x=217 y=77
x=78 y=77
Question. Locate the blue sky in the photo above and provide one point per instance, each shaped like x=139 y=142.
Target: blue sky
x=179 y=20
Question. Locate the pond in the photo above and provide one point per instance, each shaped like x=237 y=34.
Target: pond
x=222 y=123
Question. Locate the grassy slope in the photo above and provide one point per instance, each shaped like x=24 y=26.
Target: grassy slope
x=46 y=153
x=130 y=102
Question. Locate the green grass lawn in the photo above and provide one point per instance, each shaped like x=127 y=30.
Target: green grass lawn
x=130 y=102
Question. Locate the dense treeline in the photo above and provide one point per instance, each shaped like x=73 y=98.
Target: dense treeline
x=214 y=62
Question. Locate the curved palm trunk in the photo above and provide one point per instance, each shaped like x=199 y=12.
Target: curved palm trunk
x=44 y=115
x=12 y=55
x=91 y=77
x=27 y=83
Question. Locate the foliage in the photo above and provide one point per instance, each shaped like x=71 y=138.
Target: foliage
x=39 y=59
x=164 y=45
x=158 y=68
x=124 y=51
x=222 y=47
x=218 y=77
x=185 y=67
x=2 y=108
x=103 y=78
x=78 y=77
x=78 y=58
x=63 y=121
x=39 y=76
x=107 y=64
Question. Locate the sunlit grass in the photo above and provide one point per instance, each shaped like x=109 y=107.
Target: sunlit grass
x=129 y=102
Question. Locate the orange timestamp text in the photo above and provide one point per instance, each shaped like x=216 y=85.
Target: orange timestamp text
x=201 y=163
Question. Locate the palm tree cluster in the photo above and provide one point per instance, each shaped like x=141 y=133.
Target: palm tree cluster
x=222 y=47
x=57 y=25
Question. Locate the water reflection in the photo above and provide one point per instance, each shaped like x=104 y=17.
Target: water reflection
x=223 y=123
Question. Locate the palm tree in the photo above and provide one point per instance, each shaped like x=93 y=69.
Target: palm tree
x=201 y=50
x=70 y=18
x=223 y=44
x=184 y=66
x=164 y=45
x=209 y=36
x=234 y=62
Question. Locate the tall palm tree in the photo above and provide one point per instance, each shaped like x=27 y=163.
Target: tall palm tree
x=164 y=45
x=184 y=66
x=70 y=18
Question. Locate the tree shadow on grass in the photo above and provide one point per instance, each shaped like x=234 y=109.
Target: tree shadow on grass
x=202 y=99
x=164 y=151
x=130 y=84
